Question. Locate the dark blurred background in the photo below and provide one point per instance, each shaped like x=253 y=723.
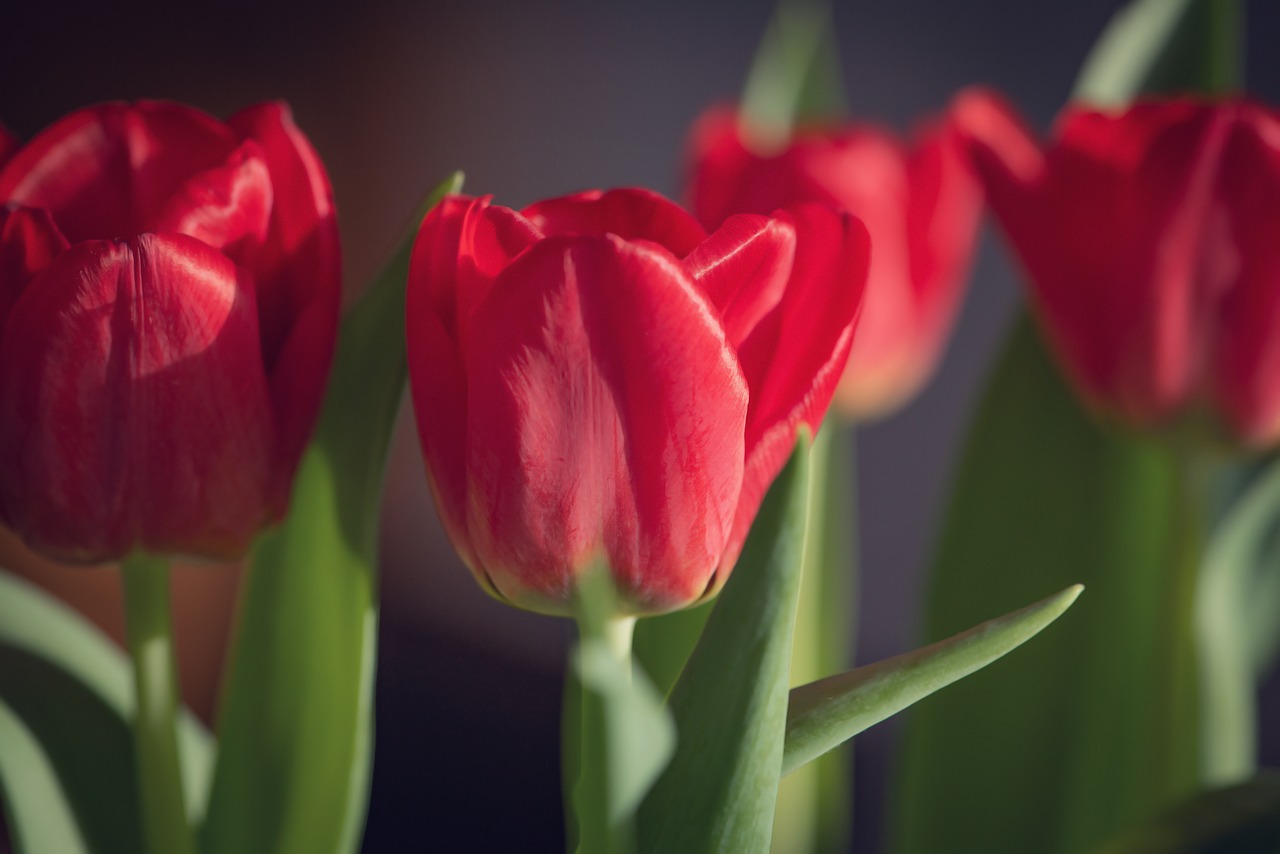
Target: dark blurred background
x=535 y=100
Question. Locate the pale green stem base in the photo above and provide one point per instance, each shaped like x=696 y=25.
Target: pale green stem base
x=159 y=773
x=597 y=832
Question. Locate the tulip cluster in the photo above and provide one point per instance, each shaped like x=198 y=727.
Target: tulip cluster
x=169 y=291
x=1148 y=239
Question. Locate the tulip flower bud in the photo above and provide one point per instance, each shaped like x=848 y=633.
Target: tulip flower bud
x=169 y=291
x=1147 y=237
x=920 y=203
x=597 y=380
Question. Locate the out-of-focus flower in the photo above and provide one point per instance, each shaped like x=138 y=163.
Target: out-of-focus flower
x=169 y=292
x=920 y=202
x=1148 y=239
x=8 y=144
x=598 y=381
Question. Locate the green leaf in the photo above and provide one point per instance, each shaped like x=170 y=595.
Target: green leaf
x=67 y=691
x=796 y=73
x=1240 y=819
x=730 y=702
x=296 y=722
x=1094 y=728
x=1167 y=46
x=40 y=816
x=1233 y=615
x=663 y=644
x=825 y=713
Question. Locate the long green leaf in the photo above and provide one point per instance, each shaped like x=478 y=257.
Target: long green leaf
x=823 y=714
x=730 y=702
x=296 y=723
x=68 y=692
x=1060 y=749
x=40 y=815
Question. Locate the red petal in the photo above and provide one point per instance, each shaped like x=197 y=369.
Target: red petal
x=795 y=355
x=1245 y=369
x=29 y=241
x=133 y=406
x=632 y=214
x=104 y=171
x=298 y=274
x=227 y=207
x=605 y=420
x=719 y=163
x=743 y=269
x=463 y=244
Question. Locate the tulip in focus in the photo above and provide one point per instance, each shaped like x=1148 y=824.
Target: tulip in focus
x=598 y=381
x=1148 y=236
x=169 y=292
x=920 y=203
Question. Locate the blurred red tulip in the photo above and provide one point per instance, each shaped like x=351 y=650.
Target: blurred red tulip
x=1148 y=238
x=920 y=203
x=597 y=380
x=8 y=144
x=169 y=292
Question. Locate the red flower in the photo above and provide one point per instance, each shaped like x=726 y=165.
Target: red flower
x=596 y=379
x=8 y=144
x=920 y=204
x=169 y=289
x=1148 y=237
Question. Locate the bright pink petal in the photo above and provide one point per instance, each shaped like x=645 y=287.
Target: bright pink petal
x=227 y=207
x=743 y=268
x=29 y=241
x=144 y=357
x=298 y=273
x=632 y=214
x=795 y=356
x=605 y=420
x=1244 y=374
x=105 y=171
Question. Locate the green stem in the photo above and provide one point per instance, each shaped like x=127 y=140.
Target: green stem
x=598 y=832
x=159 y=772
x=1177 y=642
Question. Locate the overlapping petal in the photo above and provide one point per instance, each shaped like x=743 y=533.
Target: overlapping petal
x=616 y=393
x=920 y=203
x=108 y=344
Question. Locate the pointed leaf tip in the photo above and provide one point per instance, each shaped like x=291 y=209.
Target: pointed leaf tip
x=824 y=714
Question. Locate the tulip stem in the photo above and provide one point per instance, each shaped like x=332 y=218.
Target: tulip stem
x=159 y=772
x=597 y=831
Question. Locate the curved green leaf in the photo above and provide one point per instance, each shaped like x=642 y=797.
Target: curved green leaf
x=69 y=692
x=296 y=723
x=40 y=816
x=823 y=714
x=730 y=704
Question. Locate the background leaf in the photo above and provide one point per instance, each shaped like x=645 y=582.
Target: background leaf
x=1060 y=749
x=730 y=702
x=67 y=693
x=296 y=722
x=1239 y=819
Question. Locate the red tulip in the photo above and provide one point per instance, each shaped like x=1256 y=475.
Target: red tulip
x=1148 y=238
x=169 y=290
x=920 y=203
x=597 y=380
